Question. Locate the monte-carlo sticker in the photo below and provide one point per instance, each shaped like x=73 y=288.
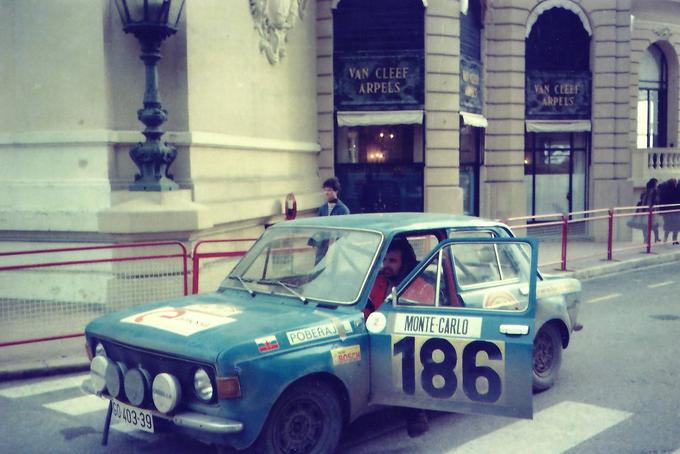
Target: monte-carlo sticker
x=438 y=325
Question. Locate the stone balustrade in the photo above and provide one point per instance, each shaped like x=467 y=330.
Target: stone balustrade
x=659 y=163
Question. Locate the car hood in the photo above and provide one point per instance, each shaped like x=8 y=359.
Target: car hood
x=202 y=327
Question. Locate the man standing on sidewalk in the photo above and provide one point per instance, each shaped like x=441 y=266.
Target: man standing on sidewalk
x=333 y=205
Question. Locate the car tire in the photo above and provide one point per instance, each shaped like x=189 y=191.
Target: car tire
x=307 y=418
x=546 y=358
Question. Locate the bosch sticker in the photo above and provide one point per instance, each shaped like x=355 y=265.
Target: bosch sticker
x=344 y=355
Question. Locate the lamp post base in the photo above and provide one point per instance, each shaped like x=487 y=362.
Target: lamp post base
x=153 y=158
x=159 y=186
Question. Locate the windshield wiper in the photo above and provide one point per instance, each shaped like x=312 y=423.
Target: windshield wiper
x=282 y=284
x=243 y=283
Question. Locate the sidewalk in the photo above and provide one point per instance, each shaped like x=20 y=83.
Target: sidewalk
x=585 y=260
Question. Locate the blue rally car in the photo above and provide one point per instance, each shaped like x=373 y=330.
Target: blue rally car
x=316 y=325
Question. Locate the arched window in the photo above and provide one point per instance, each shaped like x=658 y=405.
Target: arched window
x=652 y=98
x=558 y=42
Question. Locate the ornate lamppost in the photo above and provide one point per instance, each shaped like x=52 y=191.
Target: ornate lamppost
x=151 y=21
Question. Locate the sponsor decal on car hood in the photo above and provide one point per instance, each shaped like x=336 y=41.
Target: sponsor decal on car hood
x=204 y=326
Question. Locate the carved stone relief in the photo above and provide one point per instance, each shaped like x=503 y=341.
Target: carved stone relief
x=273 y=19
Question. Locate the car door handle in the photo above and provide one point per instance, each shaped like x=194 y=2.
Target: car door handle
x=516 y=330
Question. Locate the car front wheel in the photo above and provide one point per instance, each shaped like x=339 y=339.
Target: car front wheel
x=547 y=358
x=307 y=419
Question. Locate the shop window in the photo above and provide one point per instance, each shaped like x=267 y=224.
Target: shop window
x=471 y=146
x=387 y=144
x=652 y=99
x=555 y=172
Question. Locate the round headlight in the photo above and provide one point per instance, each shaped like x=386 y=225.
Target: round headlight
x=202 y=385
x=99 y=350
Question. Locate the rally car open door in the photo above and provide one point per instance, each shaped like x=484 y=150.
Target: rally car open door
x=457 y=334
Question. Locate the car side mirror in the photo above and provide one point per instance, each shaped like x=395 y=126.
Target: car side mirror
x=393 y=296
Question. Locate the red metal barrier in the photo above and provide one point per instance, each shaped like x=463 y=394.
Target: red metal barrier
x=528 y=223
x=611 y=215
x=38 y=264
x=197 y=256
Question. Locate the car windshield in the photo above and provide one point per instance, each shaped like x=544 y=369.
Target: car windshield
x=329 y=265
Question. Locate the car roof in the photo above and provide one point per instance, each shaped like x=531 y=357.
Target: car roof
x=390 y=223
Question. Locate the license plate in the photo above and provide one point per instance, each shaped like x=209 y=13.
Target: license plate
x=132 y=416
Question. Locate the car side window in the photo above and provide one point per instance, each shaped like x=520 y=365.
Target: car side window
x=421 y=290
x=433 y=285
x=491 y=276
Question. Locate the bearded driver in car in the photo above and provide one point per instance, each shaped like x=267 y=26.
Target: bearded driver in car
x=397 y=264
x=399 y=261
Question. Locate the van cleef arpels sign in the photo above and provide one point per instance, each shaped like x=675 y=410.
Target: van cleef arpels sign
x=558 y=94
x=273 y=19
x=363 y=79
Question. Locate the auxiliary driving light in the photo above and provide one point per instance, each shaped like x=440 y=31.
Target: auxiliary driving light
x=166 y=392
x=203 y=387
x=115 y=373
x=137 y=385
x=98 y=368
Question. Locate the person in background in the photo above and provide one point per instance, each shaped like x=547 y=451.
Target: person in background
x=668 y=193
x=333 y=205
x=648 y=199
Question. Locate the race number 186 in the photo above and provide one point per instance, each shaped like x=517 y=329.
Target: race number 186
x=446 y=368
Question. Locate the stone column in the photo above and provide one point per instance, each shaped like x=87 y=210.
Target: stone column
x=442 y=89
x=610 y=183
x=503 y=192
x=324 y=86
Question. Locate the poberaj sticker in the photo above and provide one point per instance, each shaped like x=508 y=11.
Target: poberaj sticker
x=438 y=325
x=344 y=355
x=376 y=322
x=300 y=336
x=267 y=344
x=179 y=320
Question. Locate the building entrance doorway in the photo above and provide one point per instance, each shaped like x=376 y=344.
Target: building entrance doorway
x=555 y=172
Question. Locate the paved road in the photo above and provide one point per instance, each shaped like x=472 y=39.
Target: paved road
x=618 y=392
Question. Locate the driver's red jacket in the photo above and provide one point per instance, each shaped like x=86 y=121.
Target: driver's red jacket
x=418 y=290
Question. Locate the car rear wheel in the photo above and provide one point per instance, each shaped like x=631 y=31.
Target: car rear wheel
x=307 y=419
x=547 y=358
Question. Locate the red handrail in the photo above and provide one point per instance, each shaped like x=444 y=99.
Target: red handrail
x=197 y=256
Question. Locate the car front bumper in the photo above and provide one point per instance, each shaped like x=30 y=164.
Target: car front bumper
x=190 y=420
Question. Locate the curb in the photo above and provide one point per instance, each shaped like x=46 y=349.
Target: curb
x=628 y=265
x=45 y=369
